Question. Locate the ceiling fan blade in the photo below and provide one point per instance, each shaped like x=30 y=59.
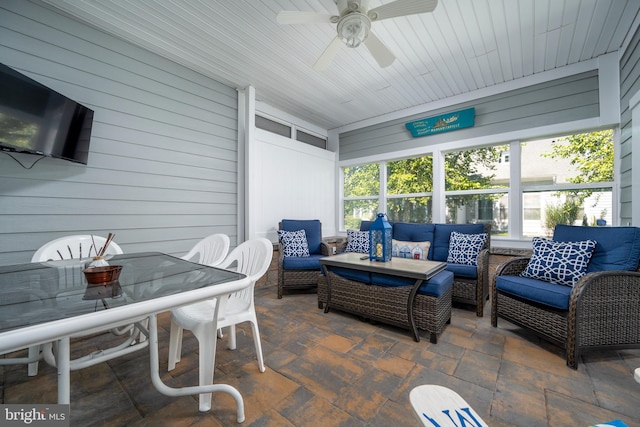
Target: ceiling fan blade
x=401 y=8
x=327 y=56
x=381 y=53
x=299 y=17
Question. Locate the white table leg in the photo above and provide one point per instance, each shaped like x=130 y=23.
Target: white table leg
x=64 y=371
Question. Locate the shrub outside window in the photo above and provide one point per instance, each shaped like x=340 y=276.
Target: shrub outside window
x=571 y=180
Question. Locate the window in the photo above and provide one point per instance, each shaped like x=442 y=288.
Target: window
x=409 y=189
x=311 y=139
x=273 y=126
x=567 y=180
x=562 y=180
x=361 y=189
x=287 y=130
x=476 y=187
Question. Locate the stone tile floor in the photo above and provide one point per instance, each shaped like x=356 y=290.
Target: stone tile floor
x=335 y=370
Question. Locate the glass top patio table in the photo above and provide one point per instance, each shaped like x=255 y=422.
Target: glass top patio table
x=36 y=293
x=51 y=301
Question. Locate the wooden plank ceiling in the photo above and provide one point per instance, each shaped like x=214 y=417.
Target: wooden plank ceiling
x=463 y=46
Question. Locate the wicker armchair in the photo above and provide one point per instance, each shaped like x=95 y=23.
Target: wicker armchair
x=301 y=273
x=603 y=311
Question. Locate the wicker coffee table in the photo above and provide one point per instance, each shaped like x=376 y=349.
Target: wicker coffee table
x=394 y=305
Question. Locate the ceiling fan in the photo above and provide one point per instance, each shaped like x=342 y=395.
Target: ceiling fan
x=354 y=25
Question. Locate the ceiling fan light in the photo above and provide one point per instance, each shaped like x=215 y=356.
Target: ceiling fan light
x=353 y=29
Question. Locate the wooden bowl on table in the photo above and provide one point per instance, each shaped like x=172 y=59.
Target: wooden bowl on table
x=102 y=275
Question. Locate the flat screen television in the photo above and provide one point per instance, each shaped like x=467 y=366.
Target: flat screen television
x=38 y=120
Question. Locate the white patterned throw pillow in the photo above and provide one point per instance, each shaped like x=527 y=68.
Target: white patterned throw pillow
x=294 y=243
x=357 y=241
x=464 y=248
x=563 y=263
x=414 y=250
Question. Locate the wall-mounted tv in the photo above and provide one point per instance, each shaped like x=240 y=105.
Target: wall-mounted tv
x=38 y=120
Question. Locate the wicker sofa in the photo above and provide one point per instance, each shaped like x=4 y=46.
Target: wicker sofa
x=600 y=310
x=470 y=283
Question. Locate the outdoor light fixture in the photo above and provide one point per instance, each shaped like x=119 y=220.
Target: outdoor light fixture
x=353 y=29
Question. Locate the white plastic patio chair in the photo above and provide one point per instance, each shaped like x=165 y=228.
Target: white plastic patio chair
x=211 y=250
x=79 y=246
x=251 y=258
x=64 y=248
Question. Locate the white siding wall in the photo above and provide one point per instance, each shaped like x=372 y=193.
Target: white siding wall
x=298 y=182
x=162 y=169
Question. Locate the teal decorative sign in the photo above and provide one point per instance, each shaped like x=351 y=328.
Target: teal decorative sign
x=442 y=123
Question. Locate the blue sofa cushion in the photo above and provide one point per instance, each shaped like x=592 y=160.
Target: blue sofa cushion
x=413 y=232
x=312 y=228
x=390 y=280
x=442 y=235
x=357 y=241
x=535 y=290
x=462 y=270
x=435 y=287
x=464 y=248
x=311 y=262
x=617 y=248
x=294 y=243
x=351 y=274
x=563 y=263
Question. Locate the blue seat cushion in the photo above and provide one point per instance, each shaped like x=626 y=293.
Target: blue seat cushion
x=311 y=262
x=617 y=248
x=390 y=280
x=351 y=274
x=463 y=270
x=435 y=287
x=442 y=234
x=552 y=295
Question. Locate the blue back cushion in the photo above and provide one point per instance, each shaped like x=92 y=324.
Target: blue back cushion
x=412 y=232
x=312 y=228
x=617 y=248
x=365 y=225
x=440 y=247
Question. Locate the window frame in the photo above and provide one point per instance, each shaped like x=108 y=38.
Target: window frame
x=515 y=189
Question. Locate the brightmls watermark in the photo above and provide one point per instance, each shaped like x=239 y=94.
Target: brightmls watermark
x=34 y=415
